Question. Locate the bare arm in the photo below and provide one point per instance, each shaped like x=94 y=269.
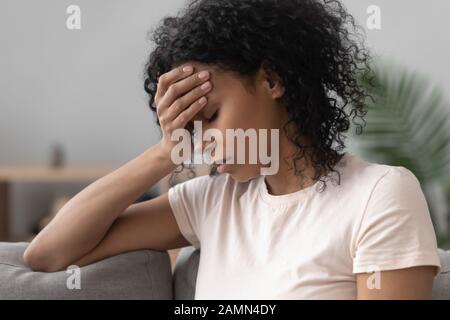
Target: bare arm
x=82 y=222
x=410 y=283
x=144 y=225
x=91 y=225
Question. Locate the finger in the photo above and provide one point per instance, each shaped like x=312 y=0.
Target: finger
x=189 y=98
x=181 y=87
x=176 y=74
x=184 y=117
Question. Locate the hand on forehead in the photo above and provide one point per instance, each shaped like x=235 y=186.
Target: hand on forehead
x=214 y=78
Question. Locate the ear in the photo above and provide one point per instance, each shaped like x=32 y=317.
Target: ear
x=272 y=83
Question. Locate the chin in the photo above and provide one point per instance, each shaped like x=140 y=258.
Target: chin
x=242 y=178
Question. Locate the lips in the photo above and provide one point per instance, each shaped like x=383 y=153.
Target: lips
x=224 y=160
x=221 y=167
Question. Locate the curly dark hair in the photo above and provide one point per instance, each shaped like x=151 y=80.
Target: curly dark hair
x=314 y=46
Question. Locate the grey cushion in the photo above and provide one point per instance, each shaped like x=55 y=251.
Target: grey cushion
x=441 y=287
x=185 y=275
x=143 y=274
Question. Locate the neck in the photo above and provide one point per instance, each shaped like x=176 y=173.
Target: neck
x=285 y=181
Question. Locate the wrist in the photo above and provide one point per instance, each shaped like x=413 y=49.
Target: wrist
x=162 y=156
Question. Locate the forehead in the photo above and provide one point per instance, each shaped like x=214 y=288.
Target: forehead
x=224 y=82
x=216 y=75
x=217 y=79
x=220 y=80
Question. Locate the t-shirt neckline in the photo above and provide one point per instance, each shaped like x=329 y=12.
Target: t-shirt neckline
x=290 y=197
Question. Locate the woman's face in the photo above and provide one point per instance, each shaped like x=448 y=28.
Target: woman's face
x=233 y=104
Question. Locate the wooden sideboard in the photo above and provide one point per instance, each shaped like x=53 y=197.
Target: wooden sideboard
x=13 y=174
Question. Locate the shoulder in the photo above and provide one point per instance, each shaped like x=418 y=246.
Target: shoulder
x=374 y=191
x=395 y=229
x=389 y=182
x=394 y=196
x=398 y=188
x=206 y=193
x=365 y=177
x=398 y=179
x=210 y=188
x=204 y=182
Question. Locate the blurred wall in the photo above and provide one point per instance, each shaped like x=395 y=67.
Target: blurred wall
x=81 y=88
x=84 y=88
x=413 y=33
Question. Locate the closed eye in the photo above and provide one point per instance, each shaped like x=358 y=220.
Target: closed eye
x=214 y=116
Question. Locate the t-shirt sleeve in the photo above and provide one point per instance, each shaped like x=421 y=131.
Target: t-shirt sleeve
x=396 y=230
x=187 y=202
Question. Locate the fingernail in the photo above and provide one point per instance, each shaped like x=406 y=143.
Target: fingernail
x=202 y=100
x=206 y=85
x=187 y=69
x=203 y=74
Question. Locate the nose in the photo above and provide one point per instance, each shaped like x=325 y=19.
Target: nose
x=209 y=150
x=201 y=146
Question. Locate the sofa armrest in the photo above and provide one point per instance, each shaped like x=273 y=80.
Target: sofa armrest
x=143 y=274
x=185 y=273
x=441 y=286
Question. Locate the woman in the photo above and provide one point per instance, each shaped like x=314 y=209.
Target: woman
x=326 y=225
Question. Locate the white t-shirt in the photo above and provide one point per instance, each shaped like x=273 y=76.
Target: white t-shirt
x=306 y=244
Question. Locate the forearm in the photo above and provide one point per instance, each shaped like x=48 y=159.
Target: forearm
x=84 y=220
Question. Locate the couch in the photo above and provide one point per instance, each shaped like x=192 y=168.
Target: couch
x=143 y=274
